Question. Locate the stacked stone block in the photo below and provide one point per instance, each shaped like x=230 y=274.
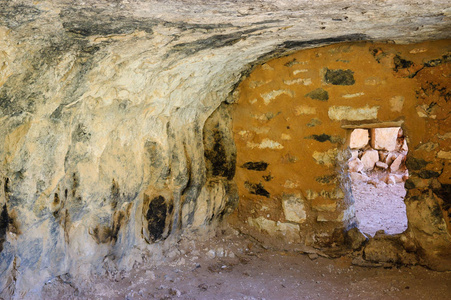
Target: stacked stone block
x=378 y=150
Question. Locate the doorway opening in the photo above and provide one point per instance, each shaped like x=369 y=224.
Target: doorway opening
x=378 y=173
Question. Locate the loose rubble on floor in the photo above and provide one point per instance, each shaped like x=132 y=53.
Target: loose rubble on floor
x=233 y=266
x=378 y=154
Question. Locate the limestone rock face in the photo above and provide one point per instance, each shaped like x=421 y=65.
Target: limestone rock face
x=113 y=136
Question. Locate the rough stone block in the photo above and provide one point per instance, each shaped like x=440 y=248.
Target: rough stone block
x=338 y=113
x=293 y=208
x=384 y=138
x=396 y=164
x=339 y=77
x=321 y=204
x=355 y=165
x=369 y=159
x=355 y=238
x=359 y=138
x=381 y=165
x=386 y=250
x=289 y=231
x=326 y=216
x=359 y=177
x=354 y=154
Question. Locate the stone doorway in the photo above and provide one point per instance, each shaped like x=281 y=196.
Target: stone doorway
x=378 y=173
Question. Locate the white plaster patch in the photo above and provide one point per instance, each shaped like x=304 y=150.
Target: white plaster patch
x=285 y=137
x=290 y=184
x=261 y=130
x=290 y=231
x=267 y=97
x=396 y=103
x=306 y=81
x=256 y=83
x=304 y=110
x=267 y=67
x=373 y=81
x=295 y=72
x=265 y=144
x=444 y=154
x=347 y=96
x=418 y=50
x=338 y=113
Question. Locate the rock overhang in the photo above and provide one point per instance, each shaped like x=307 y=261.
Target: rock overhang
x=106 y=106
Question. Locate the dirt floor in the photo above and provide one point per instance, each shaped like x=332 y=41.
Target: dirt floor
x=380 y=206
x=233 y=267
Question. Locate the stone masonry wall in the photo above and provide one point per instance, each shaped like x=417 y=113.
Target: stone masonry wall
x=292 y=125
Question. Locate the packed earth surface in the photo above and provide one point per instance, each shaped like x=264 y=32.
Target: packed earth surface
x=233 y=266
x=380 y=206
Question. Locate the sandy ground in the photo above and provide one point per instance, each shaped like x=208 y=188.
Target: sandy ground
x=380 y=206
x=246 y=271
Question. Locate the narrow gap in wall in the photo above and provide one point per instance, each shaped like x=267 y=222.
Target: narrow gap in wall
x=378 y=173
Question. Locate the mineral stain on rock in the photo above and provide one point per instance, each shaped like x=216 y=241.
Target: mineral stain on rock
x=255 y=166
x=256 y=189
x=413 y=163
x=444 y=192
x=218 y=158
x=339 y=77
x=427 y=174
x=324 y=138
x=156 y=218
x=4 y=221
x=401 y=63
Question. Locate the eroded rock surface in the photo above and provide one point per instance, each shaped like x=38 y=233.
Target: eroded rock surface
x=105 y=145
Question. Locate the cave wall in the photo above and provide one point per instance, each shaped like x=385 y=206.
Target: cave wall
x=292 y=124
x=109 y=118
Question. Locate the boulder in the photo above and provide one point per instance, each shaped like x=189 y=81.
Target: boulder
x=359 y=138
x=369 y=159
x=387 y=250
x=384 y=138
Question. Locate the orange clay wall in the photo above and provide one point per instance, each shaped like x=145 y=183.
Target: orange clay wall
x=292 y=123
